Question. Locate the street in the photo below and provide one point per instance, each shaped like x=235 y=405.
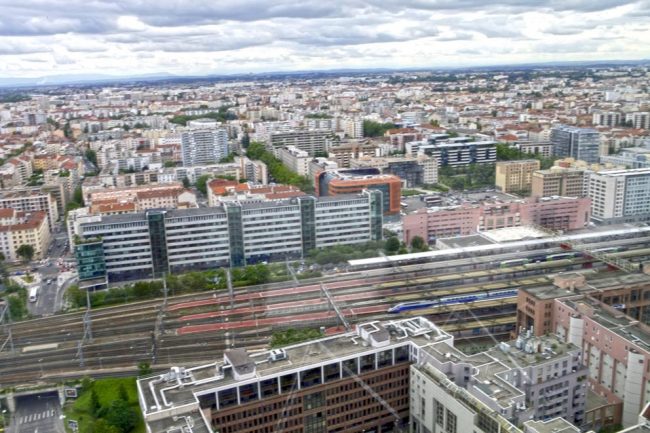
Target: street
x=37 y=414
x=50 y=295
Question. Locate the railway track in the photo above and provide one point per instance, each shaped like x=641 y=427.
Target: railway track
x=124 y=335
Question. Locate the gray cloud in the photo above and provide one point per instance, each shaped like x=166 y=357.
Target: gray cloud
x=272 y=34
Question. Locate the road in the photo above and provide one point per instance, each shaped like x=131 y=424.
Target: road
x=37 y=414
x=51 y=295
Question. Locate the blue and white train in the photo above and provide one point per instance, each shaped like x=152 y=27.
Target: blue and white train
x=451 y=300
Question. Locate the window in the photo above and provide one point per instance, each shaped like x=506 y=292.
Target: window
x=439 y=412
x=451 y=422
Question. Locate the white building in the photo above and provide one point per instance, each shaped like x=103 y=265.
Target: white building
x=620 y=195
x=294 y=159
x=203 y=146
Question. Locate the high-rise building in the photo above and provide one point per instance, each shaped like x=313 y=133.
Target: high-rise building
x=204 y=146
x=620 y=195
x=386 y=377
x=578 y=143
x=607 y=118
x=515 y=176
x=639 y=120
x=559 y=181
x=234 y=233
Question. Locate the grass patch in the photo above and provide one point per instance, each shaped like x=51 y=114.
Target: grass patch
x=107 y=391
x=410 y=192
x=293 y=336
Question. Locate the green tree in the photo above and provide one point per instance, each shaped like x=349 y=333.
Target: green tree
x=375 y=129
x=186 y=182
x=122 y=394
x=94 y=405
x=245 y=140
x=392 y=245
x=91 y=156
x=202 y=183
x=418 y=244
x=26 y=252
x=121 y=415
x=169 y=164
x=102 y=426
x=78 y=196
x=144 y=368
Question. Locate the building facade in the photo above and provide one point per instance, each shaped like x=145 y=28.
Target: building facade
x=620 y=195
x=333 y=183
x=294 y=159
x=559 y=181
x=312 y=141
x=19 y=228
x=204 y=146
x=385 y=377
x=556 y=213
x=516 y=176
x=233 y=234
x=578 y=143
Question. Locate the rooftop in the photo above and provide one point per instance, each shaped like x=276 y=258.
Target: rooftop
x=555 y=425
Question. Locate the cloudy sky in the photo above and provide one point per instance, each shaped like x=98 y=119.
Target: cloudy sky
x=127 y=37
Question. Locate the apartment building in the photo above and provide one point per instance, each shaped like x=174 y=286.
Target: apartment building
x=559 y=181
x=458 y=153
x=557 y=213
x=516 y=176
x=607 y=118
x=166 y=196
x=332 y=183
x=234 y=233
x=19 y=228
x=352 y=127
x=639 y=119
x=400 y=375
x=578 y=143
x=221 y=190
x=542 y=148
x=204 y=146
x=29 y=201
x=620 y=195
x=294 y=159
x=312 y=141
x=343 y=155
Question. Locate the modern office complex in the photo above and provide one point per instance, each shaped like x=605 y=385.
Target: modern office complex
x=414 y=171
x=620 y=195
x=401 y=375
x=204 y=146
x=516 y=176
x=337 y=182
x=631 y=157
x=578 y=143
x=140 y=245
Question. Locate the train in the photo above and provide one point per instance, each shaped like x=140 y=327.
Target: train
x=451 y=300
x=557 y=256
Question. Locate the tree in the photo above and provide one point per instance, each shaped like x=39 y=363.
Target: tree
x=375 y=129
x=392 y=245
x=122 y=394
x=169 y=164
x=144 y=368
x=418 y=244
x=202 y=183
x=95 y=406
x=91 y=156
x=26 y=252
x=186 y=182
x=121 y=415
x=245 y=140
x=78 y=196
x=102 y=426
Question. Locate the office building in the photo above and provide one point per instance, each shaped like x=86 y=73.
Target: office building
x=516 y=176
x=400 y=375
x=312 y=141
x=631 y=157
x=234 y=233
x=578 y=143
x=204 y=146
x=556 y=213
x=332 y=183
x=294 y=159
x=414 y=171
x=617 y=352
x=559 y=181
x=620 y=195
x=19 y=228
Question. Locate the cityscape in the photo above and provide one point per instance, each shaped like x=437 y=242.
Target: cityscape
x=367 y=217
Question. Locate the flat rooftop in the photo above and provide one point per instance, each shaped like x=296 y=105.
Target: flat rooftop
x=465 y=241
x=555 y=425
x=511 y=234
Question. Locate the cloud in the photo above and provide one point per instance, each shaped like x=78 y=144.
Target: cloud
x=204 y=36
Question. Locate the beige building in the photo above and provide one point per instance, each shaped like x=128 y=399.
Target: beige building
x=294 y=159
x=23 y=228
x=516 y=176
x=560 y=181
